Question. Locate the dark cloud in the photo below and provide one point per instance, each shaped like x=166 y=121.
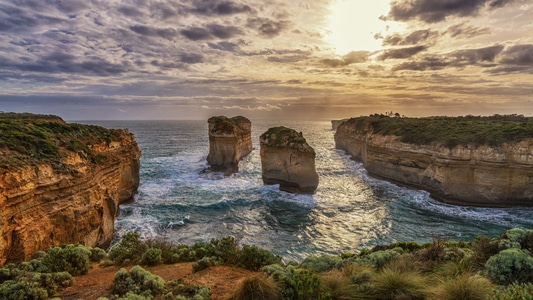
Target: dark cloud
x=411 y=39
x=224 y=46
x=212 y=31
x=518 y=55
x=166 y=33
x=432 y=11
x=267 y=27
x=17 y=17
x=191 y=58
x=474 y=56
x=129 y=11
x=460 y=30
x=216 y=7
x=401 y=53
x=224 y=32
x=350 y=58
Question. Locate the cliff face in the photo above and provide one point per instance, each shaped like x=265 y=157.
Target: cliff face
x=493 y=176
x=287 y=160
x=230 y=139
x=71 y=199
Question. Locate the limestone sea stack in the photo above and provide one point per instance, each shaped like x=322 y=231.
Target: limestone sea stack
x=478 y=161
x=230 y=139
x=287 y=160
x=61 y=183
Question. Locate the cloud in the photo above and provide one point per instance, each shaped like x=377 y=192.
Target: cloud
x=212 y=31
x=401 y=53
x=350 y=58
x=166 y=33
x=413 y=38
x=219 y=8
x=432 y=11
x=463 y=31
x=518 y=55
x=196 y=33
x=267 y=27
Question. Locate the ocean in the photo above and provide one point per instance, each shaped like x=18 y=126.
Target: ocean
x=350 y=210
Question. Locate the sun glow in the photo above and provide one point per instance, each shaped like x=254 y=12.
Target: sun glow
x=353 y=25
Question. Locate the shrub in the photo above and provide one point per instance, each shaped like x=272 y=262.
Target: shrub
x=509 y=266
x=225 y=249
x=254 y=258
x=338 y=286
x=14 y=290
x=514 y=234
x=394 y=284
x=483 y=248
x=466 y=286
x=322 y=263
x=97 y=254
x=151 y=257
x=129 y=249
x=515 y=291
x=378 y=259
x=52 y=282
x=406 y=246
x=203 y=264
x=137 y=281
x=296 y=283
x=73 y=259
x=258 y=287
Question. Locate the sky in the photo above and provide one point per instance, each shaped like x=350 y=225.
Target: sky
x=275 y=59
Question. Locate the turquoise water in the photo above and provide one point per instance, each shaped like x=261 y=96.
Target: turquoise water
x=349 y=211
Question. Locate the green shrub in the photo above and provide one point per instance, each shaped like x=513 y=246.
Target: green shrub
x=137 y=281
x=151 y=257
x=322 y=263
x=378 y=259
x=296 y=283
x=97 y=254
x=22 y=290
x=466 y=286
x=254 y=258
x=514 y=291
x=406 y=246
x=225 y=249
x=52 y=282
x=129 y=250
x=483 y=248
x=203 y=264
x=509 y=266
x=514 y=234
x=73 y=259
x=257 y=287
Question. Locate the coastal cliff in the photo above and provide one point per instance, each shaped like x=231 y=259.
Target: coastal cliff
x=287 y=160
x=61 y=183
x=230 y=139
x=488 y=167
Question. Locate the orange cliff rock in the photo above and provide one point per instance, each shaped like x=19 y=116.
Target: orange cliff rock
x=71 y=196
x=482 y=175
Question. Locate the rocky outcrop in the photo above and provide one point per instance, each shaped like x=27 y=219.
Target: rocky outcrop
x=71 y=196
x=230 y=139
x=287 y=160
x=335 y=123
x=492 y=176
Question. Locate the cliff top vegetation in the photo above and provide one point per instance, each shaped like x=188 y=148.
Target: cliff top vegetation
x=282 y=137
x=451 y=131
x=227 y=125
x=35 y=139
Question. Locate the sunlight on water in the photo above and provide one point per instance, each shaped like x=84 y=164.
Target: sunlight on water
x=349 y=211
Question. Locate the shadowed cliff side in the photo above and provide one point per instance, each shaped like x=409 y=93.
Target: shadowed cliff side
x=61 y=183
x=480 y=161
x=287 y=160
x=230 y=139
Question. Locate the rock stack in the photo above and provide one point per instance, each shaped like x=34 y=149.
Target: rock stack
x=288 y=160
x=230 y=139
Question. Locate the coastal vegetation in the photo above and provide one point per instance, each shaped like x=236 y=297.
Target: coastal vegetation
x=32 y=139
x=485 y=268
x=282 y=136
x=451 y=131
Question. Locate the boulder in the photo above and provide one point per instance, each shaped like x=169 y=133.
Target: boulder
x=230 y=139
x=287 y=160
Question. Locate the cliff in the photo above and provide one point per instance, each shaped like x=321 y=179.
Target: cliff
x=61 y=183
x=230 y=139
x=494 y=169
x=287 y=160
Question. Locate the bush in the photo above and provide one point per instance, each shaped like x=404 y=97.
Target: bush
x=509 y=266
x=225 y=249
x=73 y=259
x=378 y=259
x=394 y=284
x=137 y=281
x=322 y=263
x=151 y=257
x=258 y=287
x=203 y=264
x=14 y=290
x=338 y=286
x=129 y=249
x=254 y=258
x=483 y=248
x=97 y=254
x=465 y=286
x=515 y=291
x=296 y=283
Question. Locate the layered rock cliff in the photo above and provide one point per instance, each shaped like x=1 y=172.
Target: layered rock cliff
x=61 y=183
x=287 y=160
x=479 y=174
x=230 y=139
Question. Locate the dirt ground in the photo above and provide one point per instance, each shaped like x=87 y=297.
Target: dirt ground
x=223 y=280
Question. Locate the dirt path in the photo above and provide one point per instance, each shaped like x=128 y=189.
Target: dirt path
x=223 y=280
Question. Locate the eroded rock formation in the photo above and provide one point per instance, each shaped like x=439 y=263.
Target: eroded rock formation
x=497 y=176
x=287 y=160
x=230 y=139
x=69 y=196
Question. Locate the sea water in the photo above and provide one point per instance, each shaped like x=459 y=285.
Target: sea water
x=349 y=211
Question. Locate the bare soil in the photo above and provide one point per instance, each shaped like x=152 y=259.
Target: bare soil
x=223 y=280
